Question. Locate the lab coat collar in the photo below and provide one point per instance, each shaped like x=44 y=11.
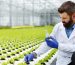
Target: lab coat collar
x=74 y=26
x=62 y=28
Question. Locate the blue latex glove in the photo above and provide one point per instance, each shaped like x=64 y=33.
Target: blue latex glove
x=51 y=42
x=28 y=58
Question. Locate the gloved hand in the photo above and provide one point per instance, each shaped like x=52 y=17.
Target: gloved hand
x=28 y=58
x=51 y=42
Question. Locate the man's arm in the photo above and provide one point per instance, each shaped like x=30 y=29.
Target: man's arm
x=42 y=49
x=44 y=46
x=67 y=47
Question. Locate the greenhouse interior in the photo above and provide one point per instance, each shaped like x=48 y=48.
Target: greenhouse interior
x=24 y=25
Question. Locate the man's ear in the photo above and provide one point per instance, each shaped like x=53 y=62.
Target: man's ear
x=73 y=17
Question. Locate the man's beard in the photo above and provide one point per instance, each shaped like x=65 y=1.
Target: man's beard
x=67 y=24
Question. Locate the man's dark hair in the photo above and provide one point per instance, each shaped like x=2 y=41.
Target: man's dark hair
x=67 y=7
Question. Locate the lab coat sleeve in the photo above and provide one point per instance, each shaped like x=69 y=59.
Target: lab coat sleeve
x=67 y=47
x=55 y=31
x=44 y=47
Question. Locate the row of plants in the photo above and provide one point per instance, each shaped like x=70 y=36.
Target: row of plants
x=20 y=56
x=18 y=51
x=15 y=41
x=46 y=58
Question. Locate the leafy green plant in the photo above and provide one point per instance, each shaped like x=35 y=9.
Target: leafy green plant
x=21 y=56
x=2 y=57
x=0 y=53
x=16 y=58
x=11 y=61
x=5 y=63
x=9 y=55
x=4 y=51
x=22 y=63
x=13 y=53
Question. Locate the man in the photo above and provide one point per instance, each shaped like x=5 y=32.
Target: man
x=62 y=36
x=73 y=55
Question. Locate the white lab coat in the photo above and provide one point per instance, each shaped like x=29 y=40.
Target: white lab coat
x=66 y=45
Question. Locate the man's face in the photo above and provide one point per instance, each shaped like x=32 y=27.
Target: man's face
x=66 y=20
